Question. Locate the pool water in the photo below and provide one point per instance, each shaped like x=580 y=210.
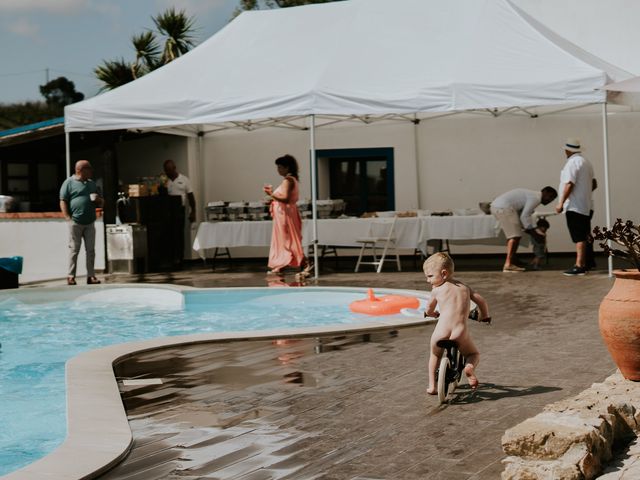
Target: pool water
x=38 y=338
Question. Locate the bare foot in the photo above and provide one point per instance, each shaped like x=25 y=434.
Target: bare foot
x=432 y=391
x=470 y=372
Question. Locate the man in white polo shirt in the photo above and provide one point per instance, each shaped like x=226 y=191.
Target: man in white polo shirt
x=514 y=210
x=576 y=186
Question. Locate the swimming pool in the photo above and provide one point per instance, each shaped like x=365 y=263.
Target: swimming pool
x=41 y=330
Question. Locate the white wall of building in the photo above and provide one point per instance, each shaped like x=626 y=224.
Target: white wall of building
x=46 y=260
x=239 y=163
x=465 y=160
x=462 y=160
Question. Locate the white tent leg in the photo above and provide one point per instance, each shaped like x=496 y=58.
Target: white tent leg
x=607 y=194
x=314 y=194
x=202 y=174
x=416 y=123
x=67 y=146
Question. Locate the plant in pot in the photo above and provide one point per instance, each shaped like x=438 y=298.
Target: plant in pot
x=619 y=315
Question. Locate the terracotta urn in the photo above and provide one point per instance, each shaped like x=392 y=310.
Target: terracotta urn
x=619 y=319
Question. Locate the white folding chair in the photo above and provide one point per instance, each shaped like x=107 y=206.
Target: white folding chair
x=381 y=235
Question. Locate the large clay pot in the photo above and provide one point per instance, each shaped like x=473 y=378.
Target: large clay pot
x=619 y=320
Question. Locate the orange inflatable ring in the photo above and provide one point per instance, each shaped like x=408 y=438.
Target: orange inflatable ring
x=385 y=305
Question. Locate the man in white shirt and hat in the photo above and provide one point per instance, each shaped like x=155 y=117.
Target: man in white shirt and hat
x=576 y=186
x=514 y=210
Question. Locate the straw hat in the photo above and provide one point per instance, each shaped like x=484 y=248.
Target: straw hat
x=572 y=145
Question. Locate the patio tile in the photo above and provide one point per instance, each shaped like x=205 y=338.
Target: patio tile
x=356 y=409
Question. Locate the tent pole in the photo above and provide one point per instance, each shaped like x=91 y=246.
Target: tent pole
x=416 y=122
x=67 y=148
x=607 y=193
x=314 y=194
x=201 y=173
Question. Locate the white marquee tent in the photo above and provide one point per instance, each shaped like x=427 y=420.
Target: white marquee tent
x=399 y=59
x=631 y=85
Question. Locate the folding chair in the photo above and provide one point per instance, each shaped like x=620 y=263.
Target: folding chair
x=224 y=253
x=381 y=235
x=437 y=245
x=323 y=251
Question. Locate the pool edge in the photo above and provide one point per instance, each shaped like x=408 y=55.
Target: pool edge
x=99 y=435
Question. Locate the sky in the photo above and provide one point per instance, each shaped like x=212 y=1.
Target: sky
x=72 y=37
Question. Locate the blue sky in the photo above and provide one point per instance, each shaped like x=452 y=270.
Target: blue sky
x=72 y=37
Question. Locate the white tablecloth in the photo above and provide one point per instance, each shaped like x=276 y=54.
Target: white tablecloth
x=459 y=227
x=410 y=232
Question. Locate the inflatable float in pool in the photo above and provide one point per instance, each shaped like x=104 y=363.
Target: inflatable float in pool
x=384 y=305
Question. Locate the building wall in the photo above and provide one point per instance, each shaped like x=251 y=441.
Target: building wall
x=239 y=163
x=467 y=160
x=463 y=160
x=44 y=246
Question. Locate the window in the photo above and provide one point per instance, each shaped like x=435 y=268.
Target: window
x=35 y=183
x=363 y=178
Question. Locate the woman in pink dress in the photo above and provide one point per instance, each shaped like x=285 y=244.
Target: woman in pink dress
x=286 y=237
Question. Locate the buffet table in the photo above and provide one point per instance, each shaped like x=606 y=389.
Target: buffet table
x=458 y=227
x=410 y=232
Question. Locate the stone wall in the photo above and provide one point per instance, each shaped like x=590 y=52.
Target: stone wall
x=575 y=438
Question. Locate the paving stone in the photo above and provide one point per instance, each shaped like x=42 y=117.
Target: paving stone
x=360 y=411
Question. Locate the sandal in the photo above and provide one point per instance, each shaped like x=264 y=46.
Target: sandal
x=92 y=281
x=71 y=281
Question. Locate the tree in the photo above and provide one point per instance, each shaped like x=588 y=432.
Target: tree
x=256 y=4
x=18 y=114
x=60 y=92
x=57 y=93
x=175 y=28
x=114 y=73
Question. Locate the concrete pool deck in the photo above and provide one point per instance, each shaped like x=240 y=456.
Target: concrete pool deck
x=354 y=407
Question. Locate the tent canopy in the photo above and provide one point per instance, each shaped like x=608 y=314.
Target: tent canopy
x=358 y=57
x=631 y=85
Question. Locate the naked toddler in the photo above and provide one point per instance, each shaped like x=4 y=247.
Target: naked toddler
x=452 y=298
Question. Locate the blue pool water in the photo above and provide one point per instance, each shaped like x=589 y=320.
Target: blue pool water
x=38 y=338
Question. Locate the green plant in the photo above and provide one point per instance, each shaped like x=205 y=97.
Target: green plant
x=625 y=234
x=173 y=26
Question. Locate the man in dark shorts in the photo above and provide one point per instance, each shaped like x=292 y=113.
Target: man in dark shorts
x=576 y=184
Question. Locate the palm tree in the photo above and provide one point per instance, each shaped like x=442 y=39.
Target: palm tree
x=255 y=4
x=147 y=50
x=114 y=73
x=175 y=27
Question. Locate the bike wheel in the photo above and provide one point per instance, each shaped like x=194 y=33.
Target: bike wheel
x=457 y=375
x=443 y=380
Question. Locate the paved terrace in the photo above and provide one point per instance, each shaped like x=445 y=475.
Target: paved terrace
x=355 y=407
